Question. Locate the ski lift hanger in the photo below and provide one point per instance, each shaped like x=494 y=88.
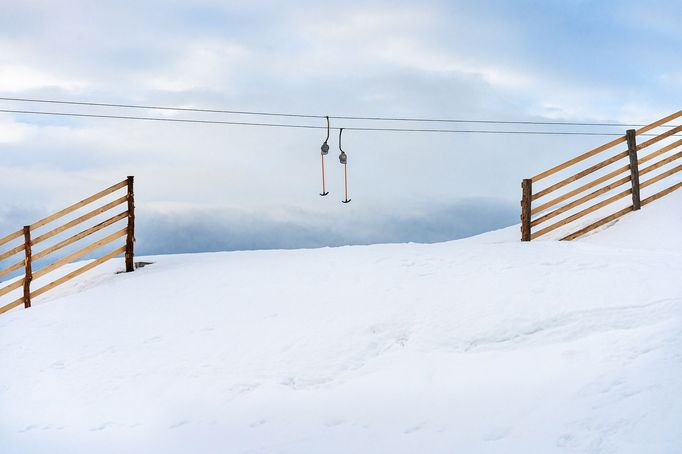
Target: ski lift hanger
x=324 y=150
x=343 y=159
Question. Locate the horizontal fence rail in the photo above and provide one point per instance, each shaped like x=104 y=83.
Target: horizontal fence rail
x=587 y=190
x=28 y=263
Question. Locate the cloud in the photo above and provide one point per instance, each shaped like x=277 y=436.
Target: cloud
x=204 y=65
x=17 y=78
x=12 y=132
x=197 y=230
x=433 y=59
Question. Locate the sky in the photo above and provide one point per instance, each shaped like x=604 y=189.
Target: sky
x=217 y=187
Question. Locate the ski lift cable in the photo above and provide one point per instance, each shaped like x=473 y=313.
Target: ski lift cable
x=312 y=116
x=307 y=126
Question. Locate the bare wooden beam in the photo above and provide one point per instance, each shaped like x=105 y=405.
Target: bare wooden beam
x=28 y=274
x=11 y=236
x=581 y=213
x=17 y=266
x=580 y=201
x=11 y=252
x=578 y=159
x=79 y=236
x=663 y=193
x=78 y=254
x=580 y=189
x=660 y=176
x=130 y=234
x=660 y=122
x=80 y=204
x=526 y=199
x=78 y=271
x=660 y=137
x=624 y=211
x=631 y=135
x=580 y=175
x=80 y=219
x=11 y=305
x=13 y=286
x=660 y=151
x=597 y=224
x=661 y=163
x=611 y=144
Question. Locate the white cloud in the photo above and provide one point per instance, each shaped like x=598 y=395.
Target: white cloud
x=412 y=54
x=202 y=65
x=16 y=78
x=12 y=132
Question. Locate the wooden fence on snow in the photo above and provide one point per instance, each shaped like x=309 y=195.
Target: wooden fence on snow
x=535 y=208
x=30 y=240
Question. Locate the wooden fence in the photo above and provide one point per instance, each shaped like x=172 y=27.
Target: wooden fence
x=30 y=240
x=535 y=208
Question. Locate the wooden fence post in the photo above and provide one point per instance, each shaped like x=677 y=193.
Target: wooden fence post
x=631 y=137
x=526 y=198
x=28 y=269
x=130 y=237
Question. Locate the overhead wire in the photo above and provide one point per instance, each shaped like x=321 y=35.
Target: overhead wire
x=302 y=126
x=312 y=116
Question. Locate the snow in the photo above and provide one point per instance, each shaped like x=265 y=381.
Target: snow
x=482 y=345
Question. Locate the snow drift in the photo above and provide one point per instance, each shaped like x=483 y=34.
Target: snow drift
x=479 y=345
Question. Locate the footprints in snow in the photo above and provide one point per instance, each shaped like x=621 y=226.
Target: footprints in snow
x=180 y=423
x=496 y=433
x=103 y=426
x=39 y=427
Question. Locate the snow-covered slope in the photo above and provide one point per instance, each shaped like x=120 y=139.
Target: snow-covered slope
x=479 y=345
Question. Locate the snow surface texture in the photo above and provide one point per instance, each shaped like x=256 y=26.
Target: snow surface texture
x=483 y=345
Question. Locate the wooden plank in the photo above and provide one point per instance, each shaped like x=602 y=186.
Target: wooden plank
x=661 y=163
x=526 y=200
x=663 y=193
x=658 y=123
x=11 y=305
x=660 y=151
x=597 y=224
x=79 y=236
x=580 y=201
x=11 y=236
x=606 y=146
x=78 y=254
x=582 y=213
x=13 y=286
x=660 y=137
x=130 y=237
x=661 y=176
x=580 y=175
x=17 y=266
x=593 y=169
x=28 y=272
x=578 y=159
x=630 y=136
x=78 y=271
x=580 y=189
x=620 y=213
x=80 y=219
x=11 y=252
x=80 y=204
